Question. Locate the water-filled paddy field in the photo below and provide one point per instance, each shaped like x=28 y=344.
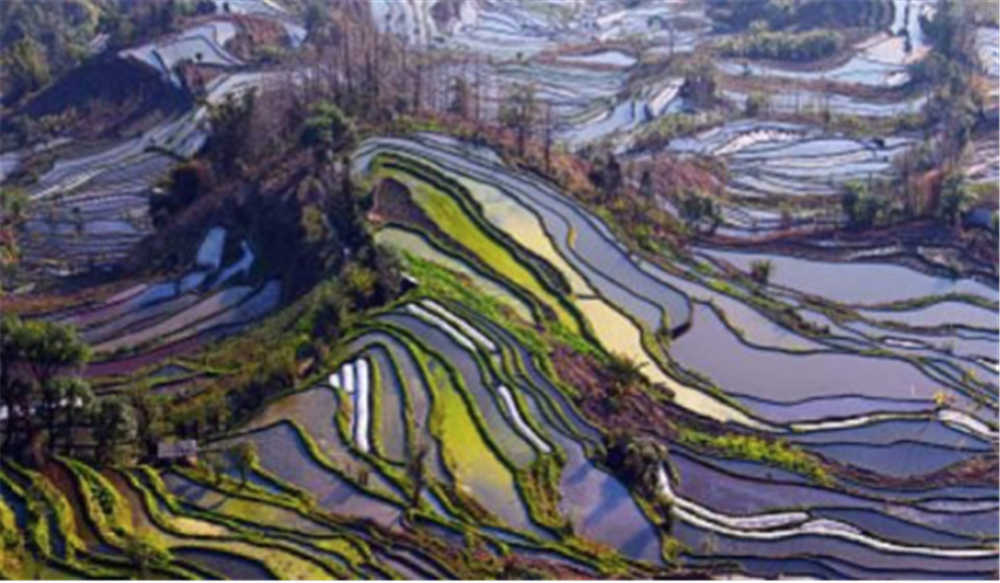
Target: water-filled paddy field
x=463 y=381
x=837 y=420
x=873 y=412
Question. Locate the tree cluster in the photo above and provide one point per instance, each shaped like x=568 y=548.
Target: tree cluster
x=955 y=198
x=699 y=211
x=186 y=183
x=45 y=402
x=40 y=40
x=801 y=47
x=700 y=82
x=637 y=461
x=756 y=104
x=862 y=208
x=606 y=176
x=131 y=22
x=232 y=131
x=951 y=29
x=957 y=105
x=26 y=69
x=326 y=131
x=800 y=14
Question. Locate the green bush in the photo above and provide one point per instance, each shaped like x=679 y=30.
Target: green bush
x=750 y=447
x=756 y=103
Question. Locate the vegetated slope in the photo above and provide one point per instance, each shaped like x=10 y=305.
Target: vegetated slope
x=277 y=214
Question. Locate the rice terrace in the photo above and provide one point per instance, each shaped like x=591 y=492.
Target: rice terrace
x=499 y=289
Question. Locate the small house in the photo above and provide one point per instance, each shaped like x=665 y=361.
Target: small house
x=184 y=451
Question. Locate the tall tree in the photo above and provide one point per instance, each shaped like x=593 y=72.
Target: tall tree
x=79 y=399
x=612 y=175
x=51 y=402
x=150 y=417
x=231 y=129
x=9 y=352
x=646 y=183
x=113 y=423
x=951 y=30
x=245 y=456
x=418 y=83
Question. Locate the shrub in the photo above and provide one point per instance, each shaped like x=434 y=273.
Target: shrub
x=760 y=270
x=756 y=103
x=750 y=447
x=186 y=183
x=862 y=208
x=361 y=284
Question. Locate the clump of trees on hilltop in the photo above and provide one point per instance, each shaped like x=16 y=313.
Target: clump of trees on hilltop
x=41 y=40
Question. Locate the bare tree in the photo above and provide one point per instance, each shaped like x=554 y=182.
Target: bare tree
x=519 y=113
x=478 y=88
x=459 y=97
x=548 y=136
x=418 y=82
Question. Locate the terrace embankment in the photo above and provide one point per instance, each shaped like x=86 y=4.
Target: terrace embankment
x=611 y=406
x=922 y=245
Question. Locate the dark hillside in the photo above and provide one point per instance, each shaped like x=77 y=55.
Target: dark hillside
x=108 y=96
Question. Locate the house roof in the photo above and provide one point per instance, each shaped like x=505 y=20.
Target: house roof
x=176 y=449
